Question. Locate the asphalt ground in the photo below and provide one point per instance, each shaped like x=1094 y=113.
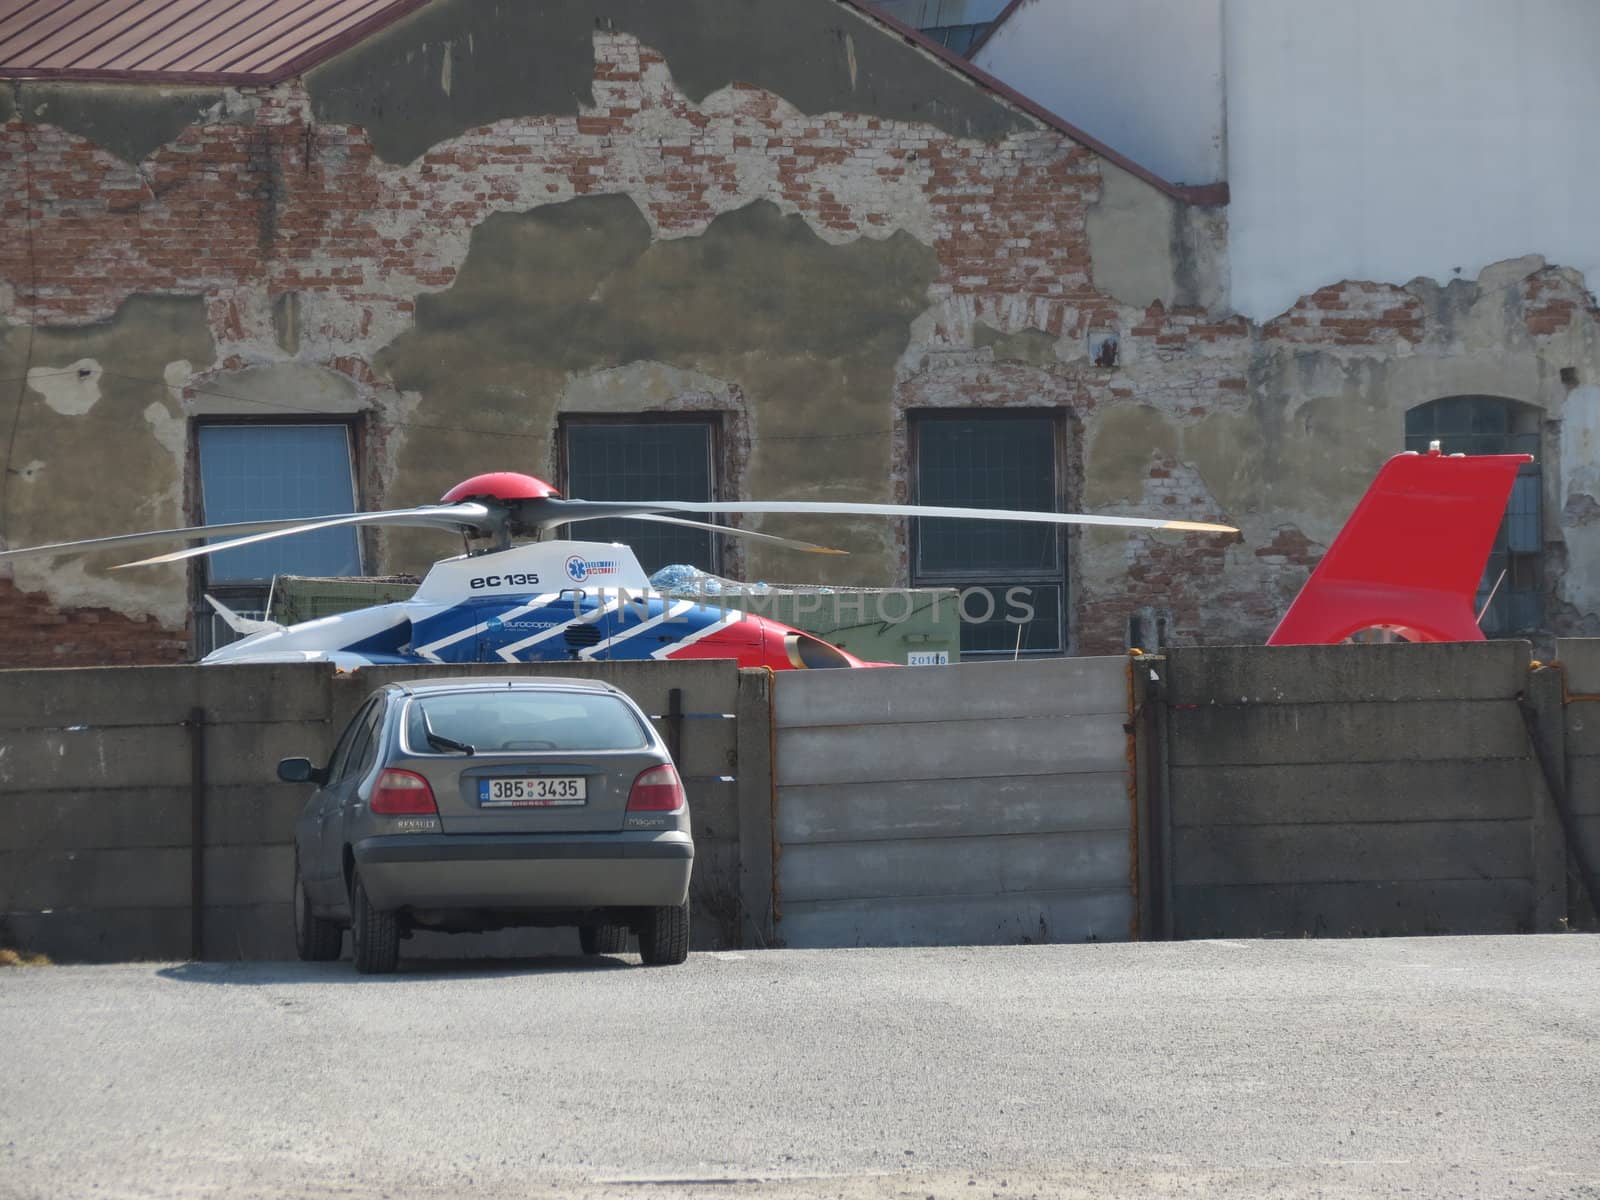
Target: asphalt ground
x=1396 y=1067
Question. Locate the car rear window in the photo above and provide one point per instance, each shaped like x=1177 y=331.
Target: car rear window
x=492 y=722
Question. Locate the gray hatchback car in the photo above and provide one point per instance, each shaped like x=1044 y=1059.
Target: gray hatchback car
x=466 y=805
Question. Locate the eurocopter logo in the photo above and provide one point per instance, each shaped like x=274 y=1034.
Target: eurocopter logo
x=580 y=569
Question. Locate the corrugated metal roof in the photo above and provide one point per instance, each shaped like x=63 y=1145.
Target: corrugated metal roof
x=183 y=41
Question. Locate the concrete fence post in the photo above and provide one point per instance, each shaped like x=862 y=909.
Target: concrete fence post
x=755 y=794
x=1151 y=816
x=1547 y=733
x=195 y=726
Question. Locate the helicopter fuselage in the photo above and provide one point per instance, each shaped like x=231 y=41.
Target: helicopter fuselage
x=540 y=602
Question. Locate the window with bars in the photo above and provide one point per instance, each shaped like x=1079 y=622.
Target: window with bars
x=1514 y=576
x=643 y=458
x=1012 y=576
x=256 y=472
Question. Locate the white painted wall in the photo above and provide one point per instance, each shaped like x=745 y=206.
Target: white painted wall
x=1386 y=139
x=1364 y=139
x=1142 y=76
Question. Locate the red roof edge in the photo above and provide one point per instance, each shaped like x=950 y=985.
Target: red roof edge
x=358 y=32
x=982 y=39
x=1206 y=195
x=89 y=75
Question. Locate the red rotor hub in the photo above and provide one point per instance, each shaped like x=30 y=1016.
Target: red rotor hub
x=500 y=485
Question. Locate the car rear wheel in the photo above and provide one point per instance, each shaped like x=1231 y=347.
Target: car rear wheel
x=664 y=936
x=604 y=938
x=374 y=935
x=315 y=939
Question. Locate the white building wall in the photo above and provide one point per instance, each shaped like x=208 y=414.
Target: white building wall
x=1368 y=139
x=1142 y=76
x=1387 y=139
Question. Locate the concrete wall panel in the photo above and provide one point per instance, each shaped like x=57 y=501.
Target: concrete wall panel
x=1583 y=730
x=980 y=803
x=125 y=819
x=1373 y=674
x=1018 y=804
x=250 y=932
x=1581 y=659
x=97 y=757
x=109 y=696
x=103 y=934
x=1074 y=916
x=1307 y=794
x=1395 y=907
x=88 y=879
x=1583 y=784
x=1336 y=790
x=952 y=866
x=46 y=820
x=950 y=749
x=1418 y=731
x=1358 y=854
x=1070 y=687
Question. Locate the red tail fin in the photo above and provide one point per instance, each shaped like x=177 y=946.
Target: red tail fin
x=1410 y=556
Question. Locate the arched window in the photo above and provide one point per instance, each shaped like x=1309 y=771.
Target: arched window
x=1492 y=425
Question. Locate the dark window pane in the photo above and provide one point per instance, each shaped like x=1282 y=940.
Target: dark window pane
x=1469 y=425
x=257 y=472
x=1522 y=516
x=981 y=463
x=1009 y=619
x=1514 y=574
x=656 y=461
x=502 y=721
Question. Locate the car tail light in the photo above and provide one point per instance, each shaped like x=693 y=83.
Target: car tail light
x=656 y=790
x=402 y=793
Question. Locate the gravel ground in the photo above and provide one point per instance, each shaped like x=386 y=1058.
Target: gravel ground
x=1396 y=1067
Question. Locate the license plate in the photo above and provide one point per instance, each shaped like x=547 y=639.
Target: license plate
x=544 y=791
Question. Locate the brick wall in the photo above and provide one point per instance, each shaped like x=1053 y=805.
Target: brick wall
x=262 y=200
x=34 y=632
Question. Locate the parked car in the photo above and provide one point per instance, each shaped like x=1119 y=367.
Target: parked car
x=466 y=805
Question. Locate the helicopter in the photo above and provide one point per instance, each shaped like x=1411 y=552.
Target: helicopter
x=542 y=599
x=1408 y=563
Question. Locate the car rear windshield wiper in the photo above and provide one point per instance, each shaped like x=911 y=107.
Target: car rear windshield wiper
x=437 y=740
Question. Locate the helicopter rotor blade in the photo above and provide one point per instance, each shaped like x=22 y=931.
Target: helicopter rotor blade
x=431 y=516
x=563 y=512
x=449 y=516
x=729 y=530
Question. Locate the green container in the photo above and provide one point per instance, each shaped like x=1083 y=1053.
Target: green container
x=904 y=626
x=297 y=598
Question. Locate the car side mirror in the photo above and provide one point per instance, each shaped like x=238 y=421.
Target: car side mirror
x=300 y=770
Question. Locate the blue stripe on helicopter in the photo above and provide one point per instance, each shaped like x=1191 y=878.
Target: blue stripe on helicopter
x=545 y=628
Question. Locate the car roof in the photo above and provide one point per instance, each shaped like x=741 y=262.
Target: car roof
x=493 y=683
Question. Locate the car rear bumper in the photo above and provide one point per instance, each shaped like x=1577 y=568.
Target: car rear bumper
x=558 y=870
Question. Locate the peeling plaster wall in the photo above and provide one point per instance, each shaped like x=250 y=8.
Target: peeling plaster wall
x=457 y=64
x=809 y=331
x=458 y=263
x=1305 y=409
